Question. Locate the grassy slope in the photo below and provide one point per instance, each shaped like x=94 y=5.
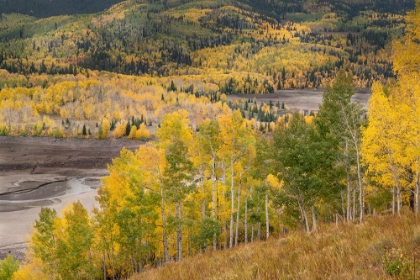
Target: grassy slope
x=349 y=251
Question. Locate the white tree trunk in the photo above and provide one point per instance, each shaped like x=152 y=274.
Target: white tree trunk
x=267 y=221
x=232 y=209
x=359 y=180
x=237 y=213
x=314 y=227
x=397 y=189
x=178 y=211
x=165 y=235
x=393 y=200
x=252 y=233
x=349 y=215
x=246 y=219
x=203 y=202
x=354 y=204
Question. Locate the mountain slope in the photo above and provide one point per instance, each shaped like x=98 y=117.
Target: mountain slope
x=178 y=37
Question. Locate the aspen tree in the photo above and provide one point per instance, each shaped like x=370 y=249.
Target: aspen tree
x=385 y=142
x=175 y=137
x=237 y=139
x=209 y=142
x=339 y=123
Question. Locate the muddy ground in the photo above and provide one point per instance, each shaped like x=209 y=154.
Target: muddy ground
x=37 y=172
x=304 y=99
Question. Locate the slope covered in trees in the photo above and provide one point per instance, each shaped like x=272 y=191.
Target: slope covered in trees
x=48 y=8
x=73 y=71
x=178 y=37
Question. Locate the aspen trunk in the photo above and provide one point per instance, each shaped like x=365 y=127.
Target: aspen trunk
x=359 y=180
x=213 y=197
x=354 y=204
x=237 y=214
x=232 y=209
x=223 y=193
x=336 y=219
x=104 y=270
x=203 y=202
x=246 y=219
x=165 y=235
x=349 y=215
x=397 y=187
x=343 y=202
x=349 y=212
x=304 y=214
x=393 y=200
x=178 y=211
x=399 y=201
x=314 y=219
x=267 y=221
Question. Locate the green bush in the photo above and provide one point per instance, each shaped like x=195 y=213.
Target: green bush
x=8 y=266
x=397 y=264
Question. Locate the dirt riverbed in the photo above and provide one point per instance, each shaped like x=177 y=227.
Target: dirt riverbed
x=305 y=99
x=37 y=172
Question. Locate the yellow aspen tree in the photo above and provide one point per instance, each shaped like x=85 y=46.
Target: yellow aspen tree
x=133 y=131
x=152 y=161
x=142 y=133
x=119 y=130
x=175 y=137
x=383 y=144
x=74 y=243
x=208 y=144
x=237 y=139
x=406 y=65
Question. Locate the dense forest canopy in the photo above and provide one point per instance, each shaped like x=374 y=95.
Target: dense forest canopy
x=275 y=8
x=48 y=8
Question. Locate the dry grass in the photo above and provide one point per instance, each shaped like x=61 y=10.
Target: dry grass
x=381 y=248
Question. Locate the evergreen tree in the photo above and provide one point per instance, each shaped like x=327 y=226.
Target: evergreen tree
x=127 y=128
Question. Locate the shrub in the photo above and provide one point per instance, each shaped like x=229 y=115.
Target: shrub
x=3 y=130
x=397 y=264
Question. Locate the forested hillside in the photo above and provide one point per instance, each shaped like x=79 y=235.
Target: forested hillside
x=49 y=8
x=276 y=8
x=166 y=39
x=174 y=53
